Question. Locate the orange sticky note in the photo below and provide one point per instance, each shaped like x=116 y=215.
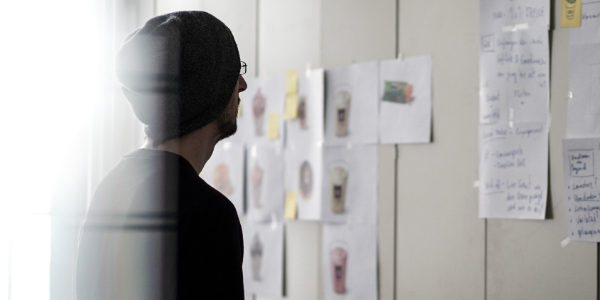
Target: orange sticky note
x=570 y=13
x=291 y=86
x=273 y=126
x=291 y=107
x=291 y=204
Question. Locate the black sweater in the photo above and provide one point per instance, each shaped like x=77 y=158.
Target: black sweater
x=156 y=230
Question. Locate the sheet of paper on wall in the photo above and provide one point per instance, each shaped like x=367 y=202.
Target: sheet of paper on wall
x=514 y=109
x=225 y=172
x=303 y=173
x=513 y=171
x=264 y=182
x=589 y=32
x=514 y=77
x=307 y=127
x=583 y=116
x=263 y=258
x=350 y=184
x=351 y=115
x=581 y=167
x=349 y=261
x=507 y=15
x=263 y=98
x=405 y=91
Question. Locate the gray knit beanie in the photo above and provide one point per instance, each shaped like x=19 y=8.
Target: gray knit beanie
x=178 y=72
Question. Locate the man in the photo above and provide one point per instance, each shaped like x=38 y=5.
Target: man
x=155 y=229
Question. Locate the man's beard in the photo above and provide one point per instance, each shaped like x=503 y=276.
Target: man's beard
x=227 y=126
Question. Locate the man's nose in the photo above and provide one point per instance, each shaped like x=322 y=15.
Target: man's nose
x=243 y=86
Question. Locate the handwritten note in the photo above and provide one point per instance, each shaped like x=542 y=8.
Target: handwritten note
x=570 y=13
x=514 y=107
x=581 y=166
x=514 y=68
x=291 y=205
x=291 y=84
x=513 y=171
x=589 y=32
x=273 y=126
x=503 y=14
x=291 y=106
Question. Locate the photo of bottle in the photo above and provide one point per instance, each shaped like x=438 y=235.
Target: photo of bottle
x=222 y=180
x=306 y=180
x=342 y=112
x=256 y=180
x=338 y=179
x=338 y=259
x=258 y=111
x=256 y=255
x=302 y=112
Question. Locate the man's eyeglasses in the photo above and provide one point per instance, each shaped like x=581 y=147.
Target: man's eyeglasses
x=243 y=68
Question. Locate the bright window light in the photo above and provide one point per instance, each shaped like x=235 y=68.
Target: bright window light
x=50 y=59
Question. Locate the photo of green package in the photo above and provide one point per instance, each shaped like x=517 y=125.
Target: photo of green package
x=398 y=92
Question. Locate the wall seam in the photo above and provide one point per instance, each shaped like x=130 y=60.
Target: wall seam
x=396 y=159
x=485 y=259
x=257 y=44
x=256 y=72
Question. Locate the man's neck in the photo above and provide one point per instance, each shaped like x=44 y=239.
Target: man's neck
x=196 y=147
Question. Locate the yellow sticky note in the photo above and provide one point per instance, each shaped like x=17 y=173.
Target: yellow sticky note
x=240 y=107
x=291 y=204
x=273 y=127
x=291 y=86
x=291 y=106
x=570 y=13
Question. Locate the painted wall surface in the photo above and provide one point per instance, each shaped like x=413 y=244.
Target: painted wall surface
x=432 y=245
x=441 y=241
x=525 y=258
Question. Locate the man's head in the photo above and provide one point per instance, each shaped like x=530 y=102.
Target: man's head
x=180 y=72
x=226 y=122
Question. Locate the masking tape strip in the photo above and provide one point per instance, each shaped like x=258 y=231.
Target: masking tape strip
x=515 y=28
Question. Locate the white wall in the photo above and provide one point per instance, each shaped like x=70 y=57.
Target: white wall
x=432 y=245
x=525 y=259
x=441 y=241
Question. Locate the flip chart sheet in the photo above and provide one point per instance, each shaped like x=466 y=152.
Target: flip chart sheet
x=581 y=162
x=514 y=109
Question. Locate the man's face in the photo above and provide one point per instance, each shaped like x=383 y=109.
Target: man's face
x=226 y=123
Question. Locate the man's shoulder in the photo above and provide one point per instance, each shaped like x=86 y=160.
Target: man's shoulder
x=206 y=196
x=141 y=179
